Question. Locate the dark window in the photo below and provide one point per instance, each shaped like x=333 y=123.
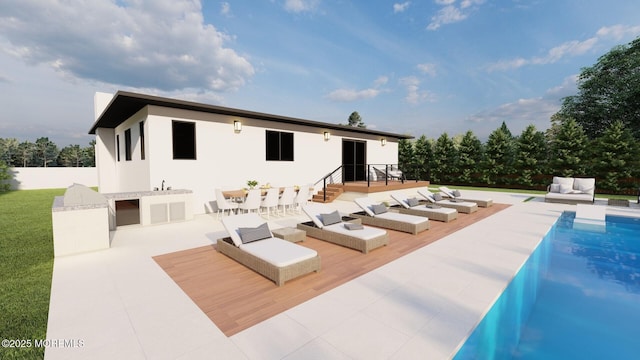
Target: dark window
x=118 y=146
x=279 y=146
x=142 y=140
x=127 y=144
x=184 y=140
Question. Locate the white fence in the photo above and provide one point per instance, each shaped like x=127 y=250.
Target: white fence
x=52 y=177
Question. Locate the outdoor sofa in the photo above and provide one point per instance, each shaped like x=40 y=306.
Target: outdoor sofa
x=466 y=207
x=252 y=244
x=327 y=224
x=455 y=194
x=568 y=190
x=377 y=214
x=432 y=211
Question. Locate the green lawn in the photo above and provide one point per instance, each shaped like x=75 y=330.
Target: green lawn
x=26 y=265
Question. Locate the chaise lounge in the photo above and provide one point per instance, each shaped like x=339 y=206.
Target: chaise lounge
x=460 y=205
x=377 y=214
x=326 y=224
x=252 y=244
x=455 y=194
x=433 y=212
x=568 y=190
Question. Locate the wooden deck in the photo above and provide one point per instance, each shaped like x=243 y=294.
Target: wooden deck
x=379 y=186
x=236 y=298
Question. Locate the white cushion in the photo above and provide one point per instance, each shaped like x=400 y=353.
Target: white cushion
x=278 y=252
x=367 y=233
x=554 y=188
x=405 y=218
x=584 y=185
x=565 y=189
x=563 y=181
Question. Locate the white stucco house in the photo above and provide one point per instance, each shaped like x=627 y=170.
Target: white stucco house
x=143 y=141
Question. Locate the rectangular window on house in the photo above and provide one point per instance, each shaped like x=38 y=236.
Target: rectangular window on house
x=279 y=146
x=142 y=156
x=127 y=144
x=118 y=146
x=184 y=140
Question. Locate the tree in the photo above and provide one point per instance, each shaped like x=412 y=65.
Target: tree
x=497 y=157
x=569 y=150
x=531 y=155
x=469 y=157
x=46 y=152
x=607 y=92
x=614 y=156
x=8 y=151
x=24 y=156
x=406 y=157
x=5 y=176
x=444 y=157
x=89 y=158
x=356 y=121
x=71 y=155
x=423 y=150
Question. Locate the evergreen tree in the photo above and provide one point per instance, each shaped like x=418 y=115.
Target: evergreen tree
x=469 y=157
x=89 y=159
x=614 y=156
x=5 y=176
x=406 y=158
x=531 y=155
x=8 y=151
x=356 y=120
x=24 y=156
x=423 y=153
x=46 y=152
x=497 y=157
x=444 y=160
x=569 y=150
x=71 y=156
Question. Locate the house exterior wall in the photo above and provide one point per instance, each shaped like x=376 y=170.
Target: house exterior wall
x=227 y=159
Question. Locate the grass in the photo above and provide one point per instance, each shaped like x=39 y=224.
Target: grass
x=26 y=267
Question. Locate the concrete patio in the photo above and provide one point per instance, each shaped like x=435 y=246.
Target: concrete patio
x=121 y=304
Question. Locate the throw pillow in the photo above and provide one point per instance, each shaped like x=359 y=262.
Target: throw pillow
x=248 y=235
x=413 y=202
x=456 y=193
x=554 y=188
x=379 y=209
x=331 y=218
x=565 y=189
x=350 y=226
x=437 y=197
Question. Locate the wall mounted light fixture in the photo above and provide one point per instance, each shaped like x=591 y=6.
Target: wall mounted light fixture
x=327 y=136
x=383 y=141
x=237 y=126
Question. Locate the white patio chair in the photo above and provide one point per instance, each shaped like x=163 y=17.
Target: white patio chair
x=270 y=201
x=252 y=202
x=300 y=199
x=224 y=204
x=286 y=199
x=310 y=192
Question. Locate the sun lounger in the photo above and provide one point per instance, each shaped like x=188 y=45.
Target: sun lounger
x=253 y=246
x=433 y=212
x=454 y=194
x=461 y=206
x=326 y=224
x=377 y=214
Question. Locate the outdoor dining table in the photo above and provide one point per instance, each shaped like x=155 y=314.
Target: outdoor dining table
x=240 y=194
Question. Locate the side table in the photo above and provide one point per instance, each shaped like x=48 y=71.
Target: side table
x=290 y=234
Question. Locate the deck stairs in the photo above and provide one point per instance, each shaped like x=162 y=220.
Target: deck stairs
x=333 y=191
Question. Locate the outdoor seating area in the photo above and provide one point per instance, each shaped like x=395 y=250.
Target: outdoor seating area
x=378 y=214
x=265 y=201
x=568 y=190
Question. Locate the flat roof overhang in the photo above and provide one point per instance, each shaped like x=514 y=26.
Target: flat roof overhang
x=124 y=104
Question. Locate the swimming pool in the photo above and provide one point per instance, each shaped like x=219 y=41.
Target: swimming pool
x=576 y=297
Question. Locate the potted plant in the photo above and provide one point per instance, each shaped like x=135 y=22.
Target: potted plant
x=252 y=184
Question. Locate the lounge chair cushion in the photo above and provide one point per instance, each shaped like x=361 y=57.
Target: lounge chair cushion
x=379 y=209
x=366 y=233
x=279 y=252
x=405 y=218
x=250 y=234
x=413 y=202
x=331 y=218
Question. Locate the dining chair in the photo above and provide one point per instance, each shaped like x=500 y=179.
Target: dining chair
x=270 y=200
x=224 y=204
x=286 y=199
x=300 y=199
x=252 y=202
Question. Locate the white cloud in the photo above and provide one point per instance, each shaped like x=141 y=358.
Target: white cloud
x=427 y=68
x=414 y=94
x=568 y=49
x=451 y=13
x=141 y=44
x=347 y=95
x=225 y=9
x=382 y=80
x=401 y=7
x=297 y=6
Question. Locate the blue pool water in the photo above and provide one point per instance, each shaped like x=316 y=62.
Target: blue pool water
x=577 y=297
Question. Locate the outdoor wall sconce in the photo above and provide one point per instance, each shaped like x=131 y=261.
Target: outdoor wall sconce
x=327 y=136
x=383 y=141
x=237 y=126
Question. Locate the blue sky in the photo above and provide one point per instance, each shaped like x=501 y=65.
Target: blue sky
x=414 y=67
